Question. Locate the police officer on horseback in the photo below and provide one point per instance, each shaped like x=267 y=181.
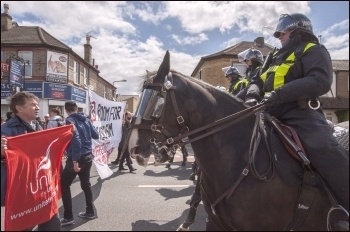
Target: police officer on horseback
x=253 y=58
x=237 y=81
x=293 y=79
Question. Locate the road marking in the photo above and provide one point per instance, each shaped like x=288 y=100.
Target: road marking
x=164 y=186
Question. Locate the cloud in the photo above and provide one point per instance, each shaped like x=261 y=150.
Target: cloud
x=190 y=40
x=133 y=36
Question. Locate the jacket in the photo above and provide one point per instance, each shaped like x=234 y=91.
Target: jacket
x=84 y=132
x=16 y=126
x=313 y=79
x=53 y=122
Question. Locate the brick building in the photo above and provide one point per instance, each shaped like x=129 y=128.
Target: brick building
x=52 y=70
x=335 y=103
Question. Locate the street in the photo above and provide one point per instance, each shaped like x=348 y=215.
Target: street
x=154 y=198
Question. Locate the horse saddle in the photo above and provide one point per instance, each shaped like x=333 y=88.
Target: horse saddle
x=287 y=165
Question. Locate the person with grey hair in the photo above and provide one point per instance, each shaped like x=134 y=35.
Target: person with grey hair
x=25 y=107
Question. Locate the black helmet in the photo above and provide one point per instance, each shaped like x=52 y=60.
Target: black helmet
x=232 y=71
x=251 y=54
x=290 y=22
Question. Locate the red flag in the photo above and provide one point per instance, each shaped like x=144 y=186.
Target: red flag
x=33 y=176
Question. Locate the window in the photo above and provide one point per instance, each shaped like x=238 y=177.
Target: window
x=85 y=76
x=241 y=68
x=27 y=56
x=104 y=91
x=76 y=72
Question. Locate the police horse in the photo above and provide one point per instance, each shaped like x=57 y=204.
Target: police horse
x=249 y=179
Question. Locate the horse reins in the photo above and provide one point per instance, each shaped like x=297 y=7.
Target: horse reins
x=185 y=132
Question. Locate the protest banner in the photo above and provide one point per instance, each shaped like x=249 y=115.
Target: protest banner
x=107 y=117
x=33 y=174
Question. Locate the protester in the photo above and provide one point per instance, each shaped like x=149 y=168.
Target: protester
x=296 y=76
x=126 y=155
x=79 y=162
x=46 y=119
x=55 y=119
x=25 y=108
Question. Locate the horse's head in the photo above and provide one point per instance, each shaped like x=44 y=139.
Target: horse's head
x=148 y=132
x=170 y=105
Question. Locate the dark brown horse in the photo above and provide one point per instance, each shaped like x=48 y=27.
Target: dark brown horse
x=244 y=184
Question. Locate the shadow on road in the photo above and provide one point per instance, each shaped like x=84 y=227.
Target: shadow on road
x=174 y=171
x=171 y=193
x=155 y=225
x=78 y=203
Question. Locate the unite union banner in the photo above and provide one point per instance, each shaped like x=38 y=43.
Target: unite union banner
x=33 y=176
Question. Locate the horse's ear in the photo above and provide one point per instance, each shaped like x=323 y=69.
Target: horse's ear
x=164 y=68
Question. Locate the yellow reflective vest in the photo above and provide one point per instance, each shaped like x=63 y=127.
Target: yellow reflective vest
x=279 y=71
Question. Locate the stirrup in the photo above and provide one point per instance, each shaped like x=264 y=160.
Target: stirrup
x=341 y=225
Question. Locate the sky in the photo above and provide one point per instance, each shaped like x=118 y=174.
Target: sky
x=130 y=37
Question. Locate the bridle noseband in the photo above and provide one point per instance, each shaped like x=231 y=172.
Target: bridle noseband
x=172 y=143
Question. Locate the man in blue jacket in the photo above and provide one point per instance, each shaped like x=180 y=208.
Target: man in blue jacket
x=79 y=162
x=25 y=107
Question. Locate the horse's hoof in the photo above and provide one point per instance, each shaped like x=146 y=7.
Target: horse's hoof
x=181 y=228
x=167 y=166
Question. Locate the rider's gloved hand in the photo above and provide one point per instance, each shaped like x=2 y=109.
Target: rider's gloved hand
x=271 y=98
x=251 y=102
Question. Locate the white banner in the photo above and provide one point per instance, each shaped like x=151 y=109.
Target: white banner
x=107 y=118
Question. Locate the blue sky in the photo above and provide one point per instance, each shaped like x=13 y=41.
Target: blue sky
x=133 y=36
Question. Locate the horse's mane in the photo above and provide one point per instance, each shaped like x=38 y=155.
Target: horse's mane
x=149 y=76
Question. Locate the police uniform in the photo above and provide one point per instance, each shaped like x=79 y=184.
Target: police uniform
x=299 y=72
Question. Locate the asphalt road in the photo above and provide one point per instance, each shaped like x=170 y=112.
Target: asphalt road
x=154 y=198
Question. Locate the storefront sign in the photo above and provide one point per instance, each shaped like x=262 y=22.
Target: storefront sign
x=35 y=88
x=16 y=77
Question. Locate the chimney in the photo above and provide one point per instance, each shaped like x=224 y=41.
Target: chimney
x=87 y=50
x=259 y=41
x=6 y=19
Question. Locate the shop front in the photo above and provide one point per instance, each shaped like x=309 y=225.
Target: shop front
x=51 y=95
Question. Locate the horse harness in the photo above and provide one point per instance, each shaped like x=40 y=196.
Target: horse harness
x=288 y=137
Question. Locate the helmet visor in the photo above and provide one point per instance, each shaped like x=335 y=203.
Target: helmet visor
x=224 y=70
x=242 y=56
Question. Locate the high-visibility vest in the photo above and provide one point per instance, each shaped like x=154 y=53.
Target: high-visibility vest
x=243 y=81
x=279 y=71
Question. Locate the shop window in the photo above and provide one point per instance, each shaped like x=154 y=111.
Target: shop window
x=76 y=72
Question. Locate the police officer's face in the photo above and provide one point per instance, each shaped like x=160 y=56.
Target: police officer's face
x=284 y=37
x=248 y=62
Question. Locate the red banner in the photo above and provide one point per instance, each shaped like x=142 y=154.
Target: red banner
x=33 y=176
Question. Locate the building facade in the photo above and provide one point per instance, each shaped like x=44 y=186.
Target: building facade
x=51 y=70
x=335 y=103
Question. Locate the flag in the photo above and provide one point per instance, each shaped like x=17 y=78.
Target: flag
x=33 y=176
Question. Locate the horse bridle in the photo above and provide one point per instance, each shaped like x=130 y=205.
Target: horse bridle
x=173 y=143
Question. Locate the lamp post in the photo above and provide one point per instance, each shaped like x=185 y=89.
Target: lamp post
x=116 y=87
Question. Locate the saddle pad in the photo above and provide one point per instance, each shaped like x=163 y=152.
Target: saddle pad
x=288 y=168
